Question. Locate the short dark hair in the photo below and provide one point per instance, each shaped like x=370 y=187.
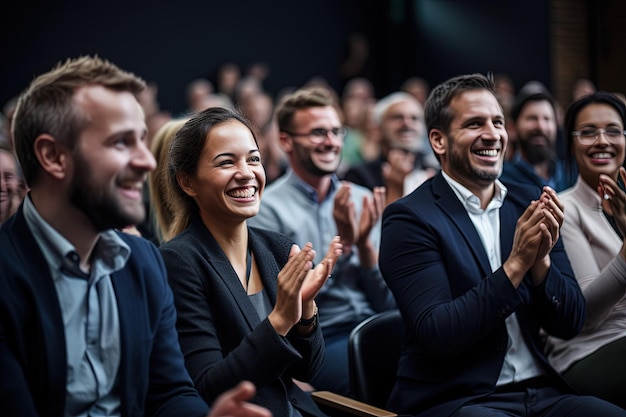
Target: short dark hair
x=437 y=108
x=523 y=98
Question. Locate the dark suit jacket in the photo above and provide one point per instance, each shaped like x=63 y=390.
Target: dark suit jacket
x=221 y=335
x=152 y=377
x=455 y=307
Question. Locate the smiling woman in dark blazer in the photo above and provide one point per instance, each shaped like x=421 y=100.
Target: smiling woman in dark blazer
x=244 y=296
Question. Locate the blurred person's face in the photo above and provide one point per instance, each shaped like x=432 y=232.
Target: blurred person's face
x=419 y=91
x=315 y=159
x=110 y=160
x=536 y=131
x=402 y=126
x=606 y=154
x=9 y=181
x=229 y=76
x=355 y=111
x=230 y=178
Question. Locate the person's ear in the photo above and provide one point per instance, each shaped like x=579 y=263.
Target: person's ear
x=286 y=142
x=52 y=156
x=438 y=141
x=185 y=182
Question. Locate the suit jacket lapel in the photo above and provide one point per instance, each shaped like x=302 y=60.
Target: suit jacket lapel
x=213 y=254
x=508 y=221
x=268 y=270
x=449 y=203
x=47 y=304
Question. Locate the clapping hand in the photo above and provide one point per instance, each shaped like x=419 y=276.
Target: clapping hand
x=317 y=277
x=614 y=199
x=536 y=233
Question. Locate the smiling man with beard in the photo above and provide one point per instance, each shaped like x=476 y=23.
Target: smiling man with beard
x=311 y=204
x=536 y=161
x=87 y=318
x=478 y=267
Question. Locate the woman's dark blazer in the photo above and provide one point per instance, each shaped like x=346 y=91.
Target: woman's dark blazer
x=221 y=335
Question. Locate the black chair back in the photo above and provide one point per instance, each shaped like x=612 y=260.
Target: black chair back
x=373 y=350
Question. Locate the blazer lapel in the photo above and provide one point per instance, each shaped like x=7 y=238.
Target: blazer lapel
x=449 y=203
x=268 y=268
x=508 y=221
x=47 y=304
x=213 y=254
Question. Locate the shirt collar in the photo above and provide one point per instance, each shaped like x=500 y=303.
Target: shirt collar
x=309 y=191
x=470 y=201
x=60 y=254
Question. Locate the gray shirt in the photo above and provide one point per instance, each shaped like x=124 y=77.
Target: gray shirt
x=352 y=293
x=90 y=316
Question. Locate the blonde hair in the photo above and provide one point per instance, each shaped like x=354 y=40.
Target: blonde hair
x=161 y=204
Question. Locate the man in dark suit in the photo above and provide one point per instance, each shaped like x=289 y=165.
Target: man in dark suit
x=479 y=271
x=87 y=320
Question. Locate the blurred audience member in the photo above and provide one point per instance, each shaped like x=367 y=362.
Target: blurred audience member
x=536 y=160
x=226 y=79
x=197 y=92
x=418 y=87
x=505 y=93
x=259 y=109
x=11 y=194
x=360 y=144
x=582 y=87
x=400 y=119
x=8 y=111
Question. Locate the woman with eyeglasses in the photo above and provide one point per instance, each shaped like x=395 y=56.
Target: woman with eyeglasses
x=593 y=232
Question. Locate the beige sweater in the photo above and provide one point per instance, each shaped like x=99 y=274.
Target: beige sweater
x=593 y=249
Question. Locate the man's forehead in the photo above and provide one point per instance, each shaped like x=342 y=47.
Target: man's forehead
x=478 y=102
x=313 y=114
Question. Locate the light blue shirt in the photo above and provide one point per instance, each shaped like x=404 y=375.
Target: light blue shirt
x=519 y=363
x=352 y=293
x=90 y=316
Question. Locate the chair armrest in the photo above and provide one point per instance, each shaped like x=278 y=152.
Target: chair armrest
x=348 y=406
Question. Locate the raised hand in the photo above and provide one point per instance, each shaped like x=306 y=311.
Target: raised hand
x=530 y=233
x=399 y=164
x=234 y=403
x=345 y=216
x=553 y=210
x=316 y=278
x=370 y=213
x=288 y=308
x=614 y=199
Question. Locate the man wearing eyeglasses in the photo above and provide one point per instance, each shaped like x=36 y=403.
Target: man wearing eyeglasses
x=536 y=161
x=310 y=204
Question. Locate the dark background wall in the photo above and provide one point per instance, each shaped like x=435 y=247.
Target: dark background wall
x=170 y=43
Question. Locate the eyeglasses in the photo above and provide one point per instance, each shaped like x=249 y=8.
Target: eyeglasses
x=588 y=136
x=318 y=136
